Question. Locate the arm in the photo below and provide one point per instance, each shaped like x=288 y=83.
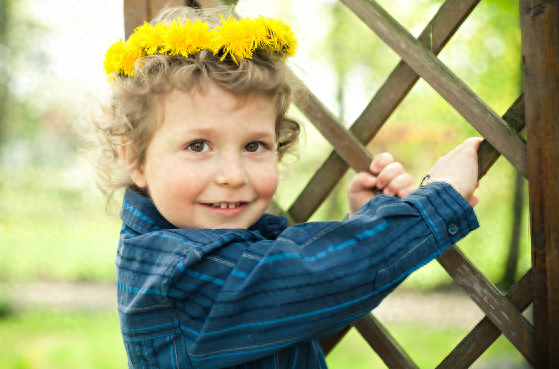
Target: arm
x=315 y=278
x=226 y=297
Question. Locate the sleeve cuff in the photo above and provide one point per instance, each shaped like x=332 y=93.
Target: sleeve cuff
x=447 y=213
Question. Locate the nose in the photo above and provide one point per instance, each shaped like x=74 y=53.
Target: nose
x=231 y=170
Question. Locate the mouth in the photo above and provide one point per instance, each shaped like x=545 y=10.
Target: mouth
x=225 y=205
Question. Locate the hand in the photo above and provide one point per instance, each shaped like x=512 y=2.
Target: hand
x=391 y=179
x=459 y=168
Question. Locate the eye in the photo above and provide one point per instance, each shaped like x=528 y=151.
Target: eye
x=255 y=146
x=198 y=146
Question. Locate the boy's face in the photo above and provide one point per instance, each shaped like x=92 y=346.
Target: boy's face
x=212 y=162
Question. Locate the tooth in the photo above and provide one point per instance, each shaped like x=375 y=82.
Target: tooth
x=216 y=205
x=223 y=206
x=231 y=206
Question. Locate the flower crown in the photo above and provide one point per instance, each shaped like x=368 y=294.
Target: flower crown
x=236 y=38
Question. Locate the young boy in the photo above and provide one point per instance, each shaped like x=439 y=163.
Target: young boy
x=207 y=279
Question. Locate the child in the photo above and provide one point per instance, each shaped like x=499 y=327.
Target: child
x=205 y=278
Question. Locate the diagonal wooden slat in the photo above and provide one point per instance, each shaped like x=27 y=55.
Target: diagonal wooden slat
x=501 y=312
x=485 y=332
x=435 y=35
x=446 y=83
x=380 y=340
x=327 y=344
x=514 y=117
x=345 y=143
x=487 y=156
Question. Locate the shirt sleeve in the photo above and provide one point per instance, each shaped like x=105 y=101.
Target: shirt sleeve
x=236 y=297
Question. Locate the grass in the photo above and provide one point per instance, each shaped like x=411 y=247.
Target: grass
x=61 y=340
x=54 y=339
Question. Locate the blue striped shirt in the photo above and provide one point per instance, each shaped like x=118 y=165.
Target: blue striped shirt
x=263 y=297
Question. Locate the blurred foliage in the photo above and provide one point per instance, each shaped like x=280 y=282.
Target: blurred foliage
x=22 y=62
x=50 y=229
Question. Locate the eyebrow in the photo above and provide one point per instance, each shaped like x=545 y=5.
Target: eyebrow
x=257 y=134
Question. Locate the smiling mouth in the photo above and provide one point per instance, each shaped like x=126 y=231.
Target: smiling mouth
x=225 y=205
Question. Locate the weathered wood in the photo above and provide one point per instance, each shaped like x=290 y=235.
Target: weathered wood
x=327 y=344
x=435 y=35
x=539 y=24
x=487 y=154
x=345 y=143
x=135 y=13
x=497 y=308
x=485 y=332
x=447 y=84
x=156 y=5
x=214 y=3
x=380 y=340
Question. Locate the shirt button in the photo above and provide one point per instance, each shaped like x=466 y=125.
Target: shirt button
x=452 y=229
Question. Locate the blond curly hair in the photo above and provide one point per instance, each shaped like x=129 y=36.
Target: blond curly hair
x=132 y=114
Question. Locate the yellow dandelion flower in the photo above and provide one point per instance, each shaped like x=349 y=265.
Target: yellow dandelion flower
x=199 y=37
x=281 y=37
x=175 y=39
x=236 y=38
x=113 y=57
x=258 y=33
x=233 y=39
x=147 y=38
x=130 y=55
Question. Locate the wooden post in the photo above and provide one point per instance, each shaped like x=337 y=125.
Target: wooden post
x=540 y=48
x=136 y=12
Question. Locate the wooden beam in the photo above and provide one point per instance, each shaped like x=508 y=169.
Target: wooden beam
x=447 y=84
x=485 y=332
x=436 y=34
x=484 y=293
x=135 y=13
x=352 y=151
x=380 y=340
x=327 y=344
x=539 y=24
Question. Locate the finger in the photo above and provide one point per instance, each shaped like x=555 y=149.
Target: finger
x=361 y=181
x=406 y=191
x=380 y=161
x=398 y=183
x=470 y=145
x=473 y=142
x=388 y=173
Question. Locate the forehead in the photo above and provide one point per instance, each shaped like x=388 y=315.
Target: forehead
x=215 y=106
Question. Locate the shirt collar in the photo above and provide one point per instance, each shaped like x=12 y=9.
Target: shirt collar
x=140 y=214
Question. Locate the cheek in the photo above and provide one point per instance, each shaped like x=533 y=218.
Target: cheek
x=267 y=182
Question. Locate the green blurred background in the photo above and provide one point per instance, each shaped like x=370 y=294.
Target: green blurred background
x=57 y=240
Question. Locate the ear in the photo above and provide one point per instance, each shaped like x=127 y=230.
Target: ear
x=136 y=172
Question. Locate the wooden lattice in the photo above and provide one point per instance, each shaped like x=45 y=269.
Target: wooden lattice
x=537 y=162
